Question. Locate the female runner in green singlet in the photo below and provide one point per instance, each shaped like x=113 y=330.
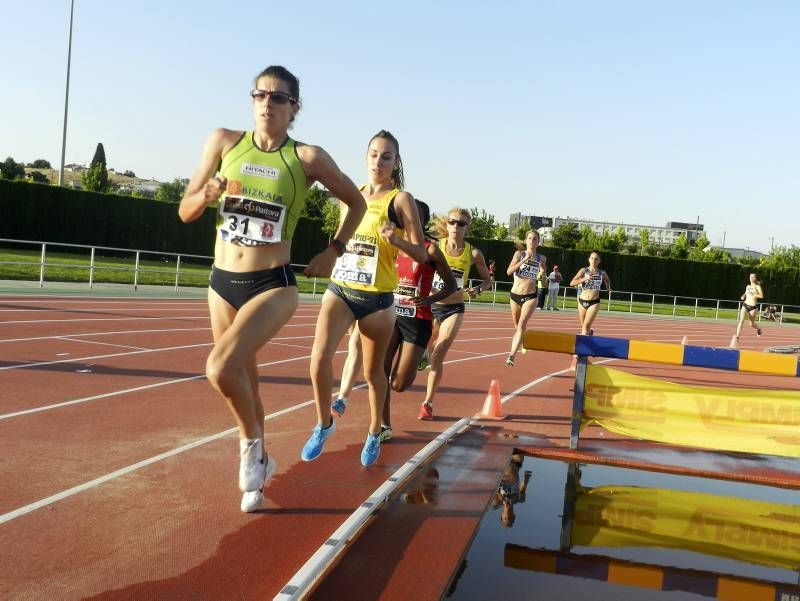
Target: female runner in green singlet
x=260 y=179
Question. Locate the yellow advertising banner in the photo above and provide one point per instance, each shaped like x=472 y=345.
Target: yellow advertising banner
x=749 y=420
x=756 y=532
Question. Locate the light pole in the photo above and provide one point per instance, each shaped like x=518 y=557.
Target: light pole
x=66 y=96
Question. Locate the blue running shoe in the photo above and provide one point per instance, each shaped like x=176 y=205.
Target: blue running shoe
x=339 y=406
x=371 y=450
x=313 y=448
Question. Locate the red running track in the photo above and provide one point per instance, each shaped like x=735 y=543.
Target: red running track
x=119 y=462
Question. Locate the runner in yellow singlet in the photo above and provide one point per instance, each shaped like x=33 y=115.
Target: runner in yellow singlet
x=260 y=179
x=361 y=290
x=448 y=314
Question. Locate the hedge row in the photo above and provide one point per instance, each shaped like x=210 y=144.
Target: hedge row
x=54 y=214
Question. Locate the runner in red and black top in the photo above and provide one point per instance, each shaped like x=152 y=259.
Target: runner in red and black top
x=414 y=319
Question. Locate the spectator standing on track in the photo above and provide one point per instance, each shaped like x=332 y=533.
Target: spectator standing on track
x=541 y=287
x=589 y=281
x=260 y=179
x=553 y=284
x=526 y=266
x=361 y=290
x=448 y=314
x=749 y=310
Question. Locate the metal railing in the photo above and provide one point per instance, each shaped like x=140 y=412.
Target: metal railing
x=184 y=270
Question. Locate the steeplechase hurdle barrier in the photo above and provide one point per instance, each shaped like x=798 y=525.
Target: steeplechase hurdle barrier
x=787 y=412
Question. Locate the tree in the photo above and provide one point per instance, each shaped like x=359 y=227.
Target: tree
x=588 y=240
x=316 y=199
x=129 y=173
x=171 y=192
x=783 y=257
x=10 y=169
x=522 y=230
x=99 y=155
x=95 y=178
x=644 y=239
x=500 y=232
x=482 y=224
x=38 y=177
x=680 y=250
x=566 y=235
x=330 y=216
x=697 y=252
x=41 y=164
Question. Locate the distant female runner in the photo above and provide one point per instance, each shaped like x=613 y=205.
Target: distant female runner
x=752 y=294
x=590 y=280
x=448 y=313
x=526 y=266
x=260 y=179
x=361 y=290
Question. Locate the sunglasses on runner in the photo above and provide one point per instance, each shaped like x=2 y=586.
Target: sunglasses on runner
x=457 y=222
x=275 y=96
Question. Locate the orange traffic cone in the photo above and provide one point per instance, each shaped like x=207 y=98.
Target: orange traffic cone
x=684 y=341
x=492 y=408
x=734 y=341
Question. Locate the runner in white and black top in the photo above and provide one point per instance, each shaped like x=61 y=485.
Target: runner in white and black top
x=525 y=267
x=589 y=281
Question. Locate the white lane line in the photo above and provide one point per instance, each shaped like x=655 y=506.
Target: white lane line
x=135 y=389
x=6 y=517
x=95 y=357
x=155 y=350
x=136 y=348
x=6 y=323
x=32 y=338
x=65 y=310
x=299 y=584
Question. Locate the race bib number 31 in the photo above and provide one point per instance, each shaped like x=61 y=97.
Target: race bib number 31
x=256 y=220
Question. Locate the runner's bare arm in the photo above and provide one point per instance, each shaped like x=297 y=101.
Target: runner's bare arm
x=320 y=167
x=483 y=271
x=443 y=269
x=413 y=243
x=205 y=188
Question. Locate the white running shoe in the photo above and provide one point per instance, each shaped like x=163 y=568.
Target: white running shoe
x=251 y=463
x=252 y=500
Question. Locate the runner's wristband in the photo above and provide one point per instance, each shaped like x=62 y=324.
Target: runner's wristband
x=338 y=246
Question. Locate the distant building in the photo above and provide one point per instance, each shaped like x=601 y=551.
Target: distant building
x=659 y=235
x=515 y=220
x=739 y=253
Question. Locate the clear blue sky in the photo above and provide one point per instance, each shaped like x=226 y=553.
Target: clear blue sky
x=630 y=111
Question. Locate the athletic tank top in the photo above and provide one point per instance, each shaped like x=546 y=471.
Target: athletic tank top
x=459 y=265
x=414 y=279
x=265 y=195
x=530 y=268
x=368 y=263
x=595 y=283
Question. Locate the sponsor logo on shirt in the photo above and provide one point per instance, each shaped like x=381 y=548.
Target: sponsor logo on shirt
x=257 y=170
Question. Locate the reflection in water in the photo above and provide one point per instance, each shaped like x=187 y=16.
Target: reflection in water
x=675 y=537
x=426 y=489
x=511 y=491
